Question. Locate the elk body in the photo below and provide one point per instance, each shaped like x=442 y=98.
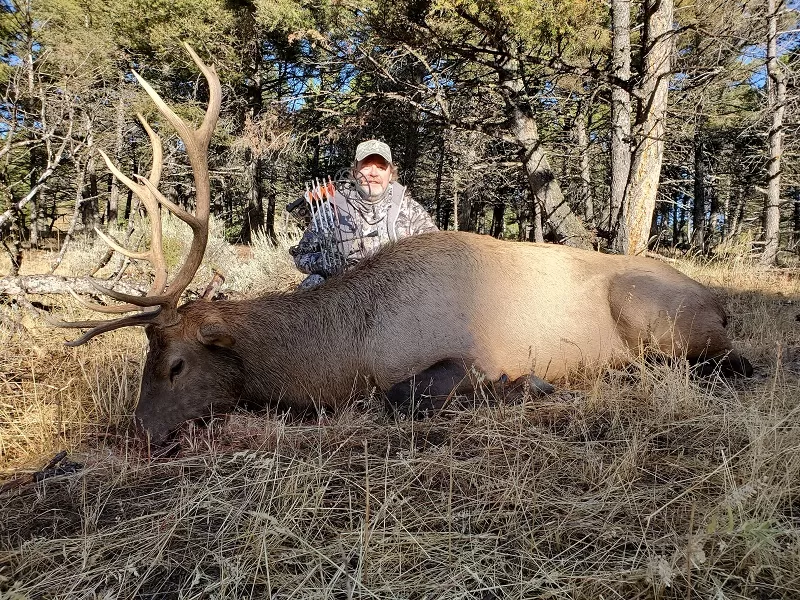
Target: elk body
x=507 y=309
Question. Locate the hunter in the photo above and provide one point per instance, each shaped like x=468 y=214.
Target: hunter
x=375 y=211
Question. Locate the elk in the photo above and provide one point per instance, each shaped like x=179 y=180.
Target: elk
x=426 y=308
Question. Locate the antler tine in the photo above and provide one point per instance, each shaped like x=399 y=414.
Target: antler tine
x=158 y=151
x=155 y=254
x=121 y=249
x=176 y=210
x=131 y=302
x=151 y=204
x=206 y=130
x=196 y=142
x=98 y=327
x=103 y=308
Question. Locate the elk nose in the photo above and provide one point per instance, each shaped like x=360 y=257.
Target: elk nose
x=150 y=432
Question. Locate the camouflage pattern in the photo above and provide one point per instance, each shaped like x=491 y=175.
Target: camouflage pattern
x=364 y=225
x=364 y=149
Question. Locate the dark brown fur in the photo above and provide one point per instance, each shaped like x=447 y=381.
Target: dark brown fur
x=507 y=308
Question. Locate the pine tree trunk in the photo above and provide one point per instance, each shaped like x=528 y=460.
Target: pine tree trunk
x=438 y=193
x=465 y=210
x=89 y=204
x=455 y=204
x=254 y=216
x=640 y=197
x=119 y=128
x=587 y=198
x=498 y=220
x=544 y=186
x=725 y=210
x=35 y=220
x=796 y=221
x=699 y=204
x=620 y=107
x=776 y=84
x=38 y=163
x=254 y=213
x=80 y=179
x=12 y=244
x=716 y=215
x=543 y=183
x=675 y=224
x=537 y=230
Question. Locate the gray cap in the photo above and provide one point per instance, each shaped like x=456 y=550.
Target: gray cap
x=369 y=147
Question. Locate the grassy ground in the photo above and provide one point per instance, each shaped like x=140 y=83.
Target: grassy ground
x=648 y=484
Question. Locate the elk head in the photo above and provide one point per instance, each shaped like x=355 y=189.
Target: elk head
x=184 y=356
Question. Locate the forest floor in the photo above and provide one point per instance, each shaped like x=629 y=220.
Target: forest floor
x=648 y=483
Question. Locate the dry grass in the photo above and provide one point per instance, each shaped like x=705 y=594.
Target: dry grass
x=650 y=484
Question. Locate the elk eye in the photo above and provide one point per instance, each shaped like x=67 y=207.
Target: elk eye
x=175 y=370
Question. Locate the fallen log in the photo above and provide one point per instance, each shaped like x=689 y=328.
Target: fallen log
x=56 y=284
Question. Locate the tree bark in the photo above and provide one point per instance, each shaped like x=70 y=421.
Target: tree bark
x=537 y=231
x=37 y=163
x=35 y=220
x=80 y=178
x=119 y=130
x=465 y=209
x=587 y=198
x=55 y=284
x=776 y=86
x=438 y=191
x=455 y=203
x=716 y=217
x=699 y=204
x=796 y=221
x=620 y=107
x=543 y=184
x=254 y=213
x=12 y=244
x=640 y=197
x=725 y=209
x=254 y=216
x=89 y=203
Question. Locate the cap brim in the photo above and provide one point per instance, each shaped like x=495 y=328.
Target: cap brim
x=362 y=156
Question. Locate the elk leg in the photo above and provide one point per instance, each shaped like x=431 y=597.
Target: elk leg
x=729 y=364
x=515 y=390
x=428 y=390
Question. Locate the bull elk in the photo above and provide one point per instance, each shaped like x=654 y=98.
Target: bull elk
x=427 y=306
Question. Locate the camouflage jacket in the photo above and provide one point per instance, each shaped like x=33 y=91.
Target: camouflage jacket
x=363 y=227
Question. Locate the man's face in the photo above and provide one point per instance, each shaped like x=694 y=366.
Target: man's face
x=374 y=173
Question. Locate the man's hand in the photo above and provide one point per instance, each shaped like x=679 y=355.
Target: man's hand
x=310 y=243
x=317 y=254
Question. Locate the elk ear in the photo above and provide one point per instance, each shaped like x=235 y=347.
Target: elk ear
x=215 y=334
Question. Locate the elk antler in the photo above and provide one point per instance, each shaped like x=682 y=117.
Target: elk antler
x=156 y=253
x=160 y=295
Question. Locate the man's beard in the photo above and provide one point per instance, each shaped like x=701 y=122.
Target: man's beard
x=374 y=191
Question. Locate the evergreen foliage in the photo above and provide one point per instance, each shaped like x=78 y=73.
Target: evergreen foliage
x=492 y=108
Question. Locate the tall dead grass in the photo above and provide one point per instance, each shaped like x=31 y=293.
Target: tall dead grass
x=647 y=483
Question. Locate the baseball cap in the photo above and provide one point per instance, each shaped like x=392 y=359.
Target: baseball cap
x=364 y=149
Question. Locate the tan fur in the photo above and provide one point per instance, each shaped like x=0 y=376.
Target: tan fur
x=507 y=308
